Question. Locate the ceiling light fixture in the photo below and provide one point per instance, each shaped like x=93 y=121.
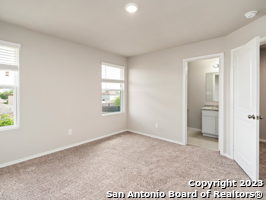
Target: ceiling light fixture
x=251 y=14
x=131 y=8
x=216 y=66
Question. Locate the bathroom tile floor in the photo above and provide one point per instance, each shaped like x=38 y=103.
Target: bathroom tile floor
x=196 y=138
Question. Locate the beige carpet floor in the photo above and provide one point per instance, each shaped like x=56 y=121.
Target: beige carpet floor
x=119 y=163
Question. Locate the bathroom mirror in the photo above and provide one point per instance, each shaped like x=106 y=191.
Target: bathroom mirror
x=212 y=87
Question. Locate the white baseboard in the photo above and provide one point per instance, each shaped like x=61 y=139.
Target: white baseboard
x=227 y=156
x=156 y=137
x=168 y=140
x=262 y=140
x=57 y=149
x=91 y=140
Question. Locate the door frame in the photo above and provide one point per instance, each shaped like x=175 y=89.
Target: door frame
x=232 y=134
x=221 y=97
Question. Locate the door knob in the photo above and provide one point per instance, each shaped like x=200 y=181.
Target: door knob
x=251 y=117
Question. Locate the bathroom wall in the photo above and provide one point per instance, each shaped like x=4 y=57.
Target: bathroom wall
x=196 y=89
x=263 y=92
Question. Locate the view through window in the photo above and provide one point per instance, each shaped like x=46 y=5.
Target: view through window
x=8 y=84
x=112 y=88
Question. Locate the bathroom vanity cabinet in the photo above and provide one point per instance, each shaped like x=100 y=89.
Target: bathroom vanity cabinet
x=210 y=122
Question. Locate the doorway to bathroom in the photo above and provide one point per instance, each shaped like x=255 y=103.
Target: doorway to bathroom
x=203 y=101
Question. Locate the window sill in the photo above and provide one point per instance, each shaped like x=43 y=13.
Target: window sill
x=8 y=128
x=114 y=113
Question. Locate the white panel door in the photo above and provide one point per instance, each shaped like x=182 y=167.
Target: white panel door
x=245 y=60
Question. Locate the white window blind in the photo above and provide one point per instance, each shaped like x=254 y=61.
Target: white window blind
x=9 y=57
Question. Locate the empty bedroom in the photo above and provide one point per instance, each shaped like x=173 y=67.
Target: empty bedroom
x=141 y=99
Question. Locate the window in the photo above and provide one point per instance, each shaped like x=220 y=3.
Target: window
x=9 y=69
x=112 y=88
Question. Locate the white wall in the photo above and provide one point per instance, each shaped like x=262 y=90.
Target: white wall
x=155 y=88
x=60 y=89
x=197 y=89
x=57 y=67
x=263 y=93
x=155 y=83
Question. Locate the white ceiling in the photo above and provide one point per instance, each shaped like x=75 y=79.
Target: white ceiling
x=104 y=24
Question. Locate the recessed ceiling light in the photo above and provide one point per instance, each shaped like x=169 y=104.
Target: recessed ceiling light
x=131 y=8
x=251 y=14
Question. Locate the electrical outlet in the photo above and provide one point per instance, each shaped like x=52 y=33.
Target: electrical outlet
x=69 y=131
x=156 y=125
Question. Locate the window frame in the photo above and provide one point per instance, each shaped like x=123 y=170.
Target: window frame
x=122 y=82
x=16 y=88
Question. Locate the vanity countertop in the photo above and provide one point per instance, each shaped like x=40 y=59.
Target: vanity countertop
x=211 y=108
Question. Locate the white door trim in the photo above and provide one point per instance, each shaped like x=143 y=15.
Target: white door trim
x=221 y=98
